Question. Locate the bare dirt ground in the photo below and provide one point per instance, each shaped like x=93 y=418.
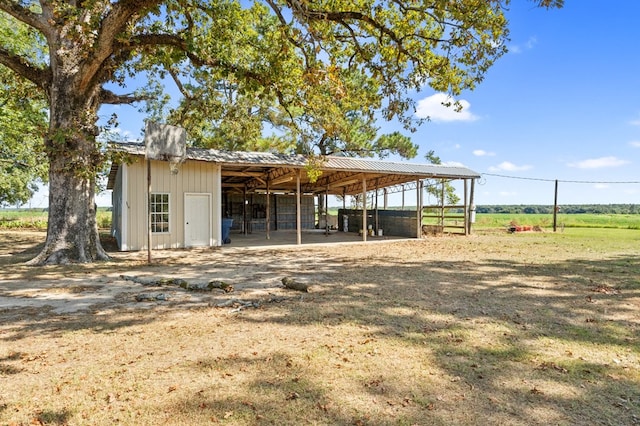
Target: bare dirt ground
x=489 y=329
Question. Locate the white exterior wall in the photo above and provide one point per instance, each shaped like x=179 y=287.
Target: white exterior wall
x=194 y=177
x=116 y=209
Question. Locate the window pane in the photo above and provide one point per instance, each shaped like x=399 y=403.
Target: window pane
x=159 y=213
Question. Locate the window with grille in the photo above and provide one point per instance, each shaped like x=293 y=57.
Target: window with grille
x=160 y=213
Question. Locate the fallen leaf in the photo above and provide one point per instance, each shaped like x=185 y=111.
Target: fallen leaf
x=606 y=289
x=323 y=407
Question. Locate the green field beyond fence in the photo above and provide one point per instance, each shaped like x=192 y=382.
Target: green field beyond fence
x=585 y=220
x=545 y=220
x=37 y=219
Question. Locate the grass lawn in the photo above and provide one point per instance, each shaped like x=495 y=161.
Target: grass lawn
x=37 y=218
x=495 y=328
x=586 y=220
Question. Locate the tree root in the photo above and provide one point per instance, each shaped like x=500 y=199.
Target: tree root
x=237 y=304
x=292 y=284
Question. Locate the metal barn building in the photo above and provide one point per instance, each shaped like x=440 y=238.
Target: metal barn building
x=258 y=192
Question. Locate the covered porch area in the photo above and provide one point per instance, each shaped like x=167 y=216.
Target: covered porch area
x=285 y=197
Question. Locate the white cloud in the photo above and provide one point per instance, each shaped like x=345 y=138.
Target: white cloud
x=636 y=121
x=120 y=135
x=125 y=133
x=599 y=163
x=453 y=164
x=527 y=45
x=635 y=144
x=507 y=193
x=483 y=153
x=432 y=108
x=508 y=167
x=601 y=186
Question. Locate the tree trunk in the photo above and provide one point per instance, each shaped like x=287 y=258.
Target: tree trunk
x=72 y=231
x=74 y=158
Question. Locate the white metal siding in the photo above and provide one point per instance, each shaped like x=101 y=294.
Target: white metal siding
x=193 y=177
x=116 y=208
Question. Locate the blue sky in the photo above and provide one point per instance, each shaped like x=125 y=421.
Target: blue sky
x=564 y=104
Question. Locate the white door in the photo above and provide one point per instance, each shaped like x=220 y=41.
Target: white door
x=197 y=220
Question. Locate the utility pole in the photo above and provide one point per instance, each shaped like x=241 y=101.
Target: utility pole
x=555 y=208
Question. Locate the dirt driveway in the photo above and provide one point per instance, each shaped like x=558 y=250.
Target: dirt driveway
x=489 y=329
x=254 y=274
x=128 y=281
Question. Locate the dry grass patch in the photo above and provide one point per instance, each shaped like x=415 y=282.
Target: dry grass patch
x=491 y=329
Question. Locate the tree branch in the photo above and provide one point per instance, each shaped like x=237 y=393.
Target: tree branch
x=121 y=14
x=24 y=15
x=188 y=98
x=41 y=77
x=342 y=17
x=108 y=97
x=147 y=41
x=152 y=40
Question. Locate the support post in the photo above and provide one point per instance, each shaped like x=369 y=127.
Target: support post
x=442 y=206
x=555 y=208
x=244 y=210
x=364 y=208
x=149 y=211
x=418 y=209
x=377 y=221
x=466 y=208
x=298 y=212
x=473 y=184
x=275 y=213
x=268 y=212
x=326 y=212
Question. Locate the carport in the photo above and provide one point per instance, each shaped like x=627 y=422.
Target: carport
x=265 y=173
x=264 y=193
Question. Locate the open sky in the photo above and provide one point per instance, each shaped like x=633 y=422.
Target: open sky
x=564 y=104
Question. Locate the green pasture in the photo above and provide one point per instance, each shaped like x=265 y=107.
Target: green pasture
x=545 y=221
x=37 y=218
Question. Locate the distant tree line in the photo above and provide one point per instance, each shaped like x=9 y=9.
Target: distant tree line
x=564 y=208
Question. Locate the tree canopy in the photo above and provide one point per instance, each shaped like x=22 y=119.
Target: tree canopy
x=22 y=122
x=319 y=72
x=440 y=189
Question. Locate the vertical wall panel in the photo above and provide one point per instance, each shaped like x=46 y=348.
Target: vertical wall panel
x=192 y=177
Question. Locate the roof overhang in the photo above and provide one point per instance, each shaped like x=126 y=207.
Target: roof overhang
x=262 y=171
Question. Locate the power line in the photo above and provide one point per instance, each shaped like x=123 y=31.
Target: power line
x=564 y=181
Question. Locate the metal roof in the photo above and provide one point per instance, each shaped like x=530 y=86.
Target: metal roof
x=223 y=157
x=424 y=170
x=340 y=175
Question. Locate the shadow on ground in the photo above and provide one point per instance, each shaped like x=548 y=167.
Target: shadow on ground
x=507 y=341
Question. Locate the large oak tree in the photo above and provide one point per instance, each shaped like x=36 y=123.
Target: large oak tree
x=284 y=59
x=22 y=121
